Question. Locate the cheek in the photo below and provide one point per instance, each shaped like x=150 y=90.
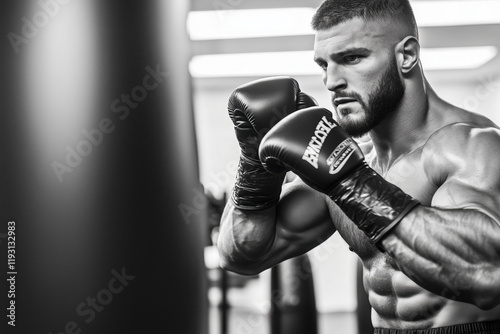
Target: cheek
x=370 y=82
x=364 y=88
x=372 y=69
x=371 y=78
x=363 y=79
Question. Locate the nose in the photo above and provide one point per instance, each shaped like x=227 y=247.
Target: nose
x=333 y=79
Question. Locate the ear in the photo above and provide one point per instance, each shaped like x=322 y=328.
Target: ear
x=408 y=53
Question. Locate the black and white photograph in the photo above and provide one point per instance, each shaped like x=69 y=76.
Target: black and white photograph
x=250 y=167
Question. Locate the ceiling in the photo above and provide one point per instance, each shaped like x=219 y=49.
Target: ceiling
x=431 y=37
x=218 y=149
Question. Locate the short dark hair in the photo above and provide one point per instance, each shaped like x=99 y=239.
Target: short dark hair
x=333 y=12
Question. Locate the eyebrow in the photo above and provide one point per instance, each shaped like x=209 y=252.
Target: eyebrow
x=341 y=54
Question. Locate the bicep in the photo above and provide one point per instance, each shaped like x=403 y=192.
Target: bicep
x=302 y=219
x=302 y=223
x=252 y=241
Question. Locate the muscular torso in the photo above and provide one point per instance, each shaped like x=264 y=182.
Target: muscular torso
x=433 y=173
x=398 y=302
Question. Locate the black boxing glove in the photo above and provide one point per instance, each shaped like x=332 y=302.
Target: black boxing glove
x=254 y=109
x=311 y=144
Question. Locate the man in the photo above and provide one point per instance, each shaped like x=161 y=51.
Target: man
x=426 y=225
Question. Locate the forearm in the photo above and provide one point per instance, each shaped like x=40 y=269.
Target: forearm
x=453 y=253
x=245 y=236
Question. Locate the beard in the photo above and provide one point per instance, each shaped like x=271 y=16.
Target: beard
x=382 y=101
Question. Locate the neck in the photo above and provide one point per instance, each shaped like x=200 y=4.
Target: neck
x=406 y=128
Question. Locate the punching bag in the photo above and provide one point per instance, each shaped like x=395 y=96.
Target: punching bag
x=99 y=173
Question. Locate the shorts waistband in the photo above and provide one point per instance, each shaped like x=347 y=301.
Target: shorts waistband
x=485 y=327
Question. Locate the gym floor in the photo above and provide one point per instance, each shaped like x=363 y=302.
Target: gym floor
x=245 y=322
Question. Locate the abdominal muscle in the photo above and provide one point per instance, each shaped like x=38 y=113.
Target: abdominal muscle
x=398 y=302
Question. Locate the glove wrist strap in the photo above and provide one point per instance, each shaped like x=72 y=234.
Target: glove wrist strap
x=255 y=188
x=373 y=204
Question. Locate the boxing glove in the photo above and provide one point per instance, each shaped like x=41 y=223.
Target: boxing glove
x=254 y=109
x=311 y=144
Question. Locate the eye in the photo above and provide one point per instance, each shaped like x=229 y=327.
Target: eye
x=323 y=65
x=352 y=59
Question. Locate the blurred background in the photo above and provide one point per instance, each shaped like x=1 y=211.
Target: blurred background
x=238 y=41
x=118 y=157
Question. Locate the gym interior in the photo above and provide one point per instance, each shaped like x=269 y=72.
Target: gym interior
x=120 y=156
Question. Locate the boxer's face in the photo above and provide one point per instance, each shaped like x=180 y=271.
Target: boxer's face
x=360 y=69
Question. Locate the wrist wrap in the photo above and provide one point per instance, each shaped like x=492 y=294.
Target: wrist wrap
x=255 y=188
x=373 y=204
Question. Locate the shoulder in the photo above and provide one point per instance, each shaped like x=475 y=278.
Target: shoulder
x=459 y=134
x=461 y=139
x=463 y=161
x=462 y=147
x=296 y=196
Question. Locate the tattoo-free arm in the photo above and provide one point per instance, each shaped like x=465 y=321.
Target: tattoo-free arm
x=452 y=253
x=252 y=241
x=453 y=248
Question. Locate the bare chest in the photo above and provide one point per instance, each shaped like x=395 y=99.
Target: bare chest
x=397 y=301
x=409 y=175
x=406 y=173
